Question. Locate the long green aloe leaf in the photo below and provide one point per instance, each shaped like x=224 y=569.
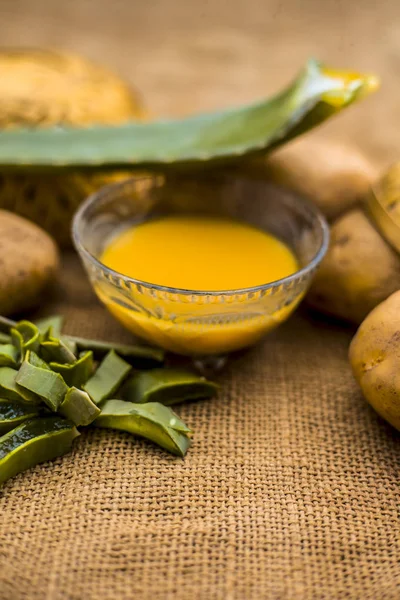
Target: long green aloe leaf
x=316 y=94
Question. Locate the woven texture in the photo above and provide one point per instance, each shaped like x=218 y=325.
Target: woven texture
x=290 y=490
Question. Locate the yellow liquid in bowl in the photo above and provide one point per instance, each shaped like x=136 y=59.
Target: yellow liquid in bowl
x=198 y=253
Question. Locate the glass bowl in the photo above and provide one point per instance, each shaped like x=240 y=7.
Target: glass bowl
x=189 y=322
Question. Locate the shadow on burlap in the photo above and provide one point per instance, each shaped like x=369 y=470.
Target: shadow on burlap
x=290 y=490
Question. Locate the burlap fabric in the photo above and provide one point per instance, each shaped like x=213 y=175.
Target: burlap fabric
x=290 y=490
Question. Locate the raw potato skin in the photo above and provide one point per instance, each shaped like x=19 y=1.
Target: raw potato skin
x=388 y=191
x=359 y=271
x=29 y=260
x=375 y=357
x=39 y=88
x=332 y=175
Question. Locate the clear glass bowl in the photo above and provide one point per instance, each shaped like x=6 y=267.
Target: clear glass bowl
x=189 y=322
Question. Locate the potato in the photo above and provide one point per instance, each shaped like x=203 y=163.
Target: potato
x=333 y=175
x=388 y=191
x=375 y=356
x=29 y=260
x=40 y=88
x=359 y=271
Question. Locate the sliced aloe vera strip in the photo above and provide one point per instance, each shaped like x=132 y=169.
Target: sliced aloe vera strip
x=36 y=361
x=55 y=323
x=33 y=442
x=50 y=386
x=25 y=336
x=140 y=357
x=77 y=373
x=13 y=414
x=9 y=355
x=10 y=389
x=70 y=344
x=108 y=377
x=55 y=350
x=78 y=407
x=168 y=386
x=152 y=421
x=17 y=340
x=6 y=324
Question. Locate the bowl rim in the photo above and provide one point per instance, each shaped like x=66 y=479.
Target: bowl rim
x=106 y=189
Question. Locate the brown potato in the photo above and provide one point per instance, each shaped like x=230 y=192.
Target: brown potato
x=375 y=356
x=359 y=271
x=29 y=260
x=40 y=88
x=334 y=176
x=388 y=191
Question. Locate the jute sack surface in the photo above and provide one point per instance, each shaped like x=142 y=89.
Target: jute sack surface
x=290 y=490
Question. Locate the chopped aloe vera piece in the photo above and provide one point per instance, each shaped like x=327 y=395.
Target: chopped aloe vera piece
x=140 y=357
x=8 y=355
x=55 y=323
x=6 y=324
x=10 y=389
x=36 y=361
x=17 y=340
x=33 y=442
x=50 y=386
x=25 y=336
x=108 y=377
x=77 y=373
x=78 y=407
x=168 y=386
x=13 y=414
x=153 y=421
x=176 y=423
x=71 y=344
x=55 y=350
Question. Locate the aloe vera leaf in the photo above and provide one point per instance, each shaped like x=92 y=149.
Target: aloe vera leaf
x=50 y=386
x=17 y=341
x=54 y=350
x=140 y=357
x=10 y=389
x=108 y=377
x=78 y=407
x=77 y=373
x=316 y=94
x=5 y=338
x=70 y=344
x=55 y=323
x=51 y=327
x=25 y=336
x=13 y=414
x=33 y=442
x=36 y=361
x=8 y=355
x=6 y=324
x=152 y=421
x=168 y=386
